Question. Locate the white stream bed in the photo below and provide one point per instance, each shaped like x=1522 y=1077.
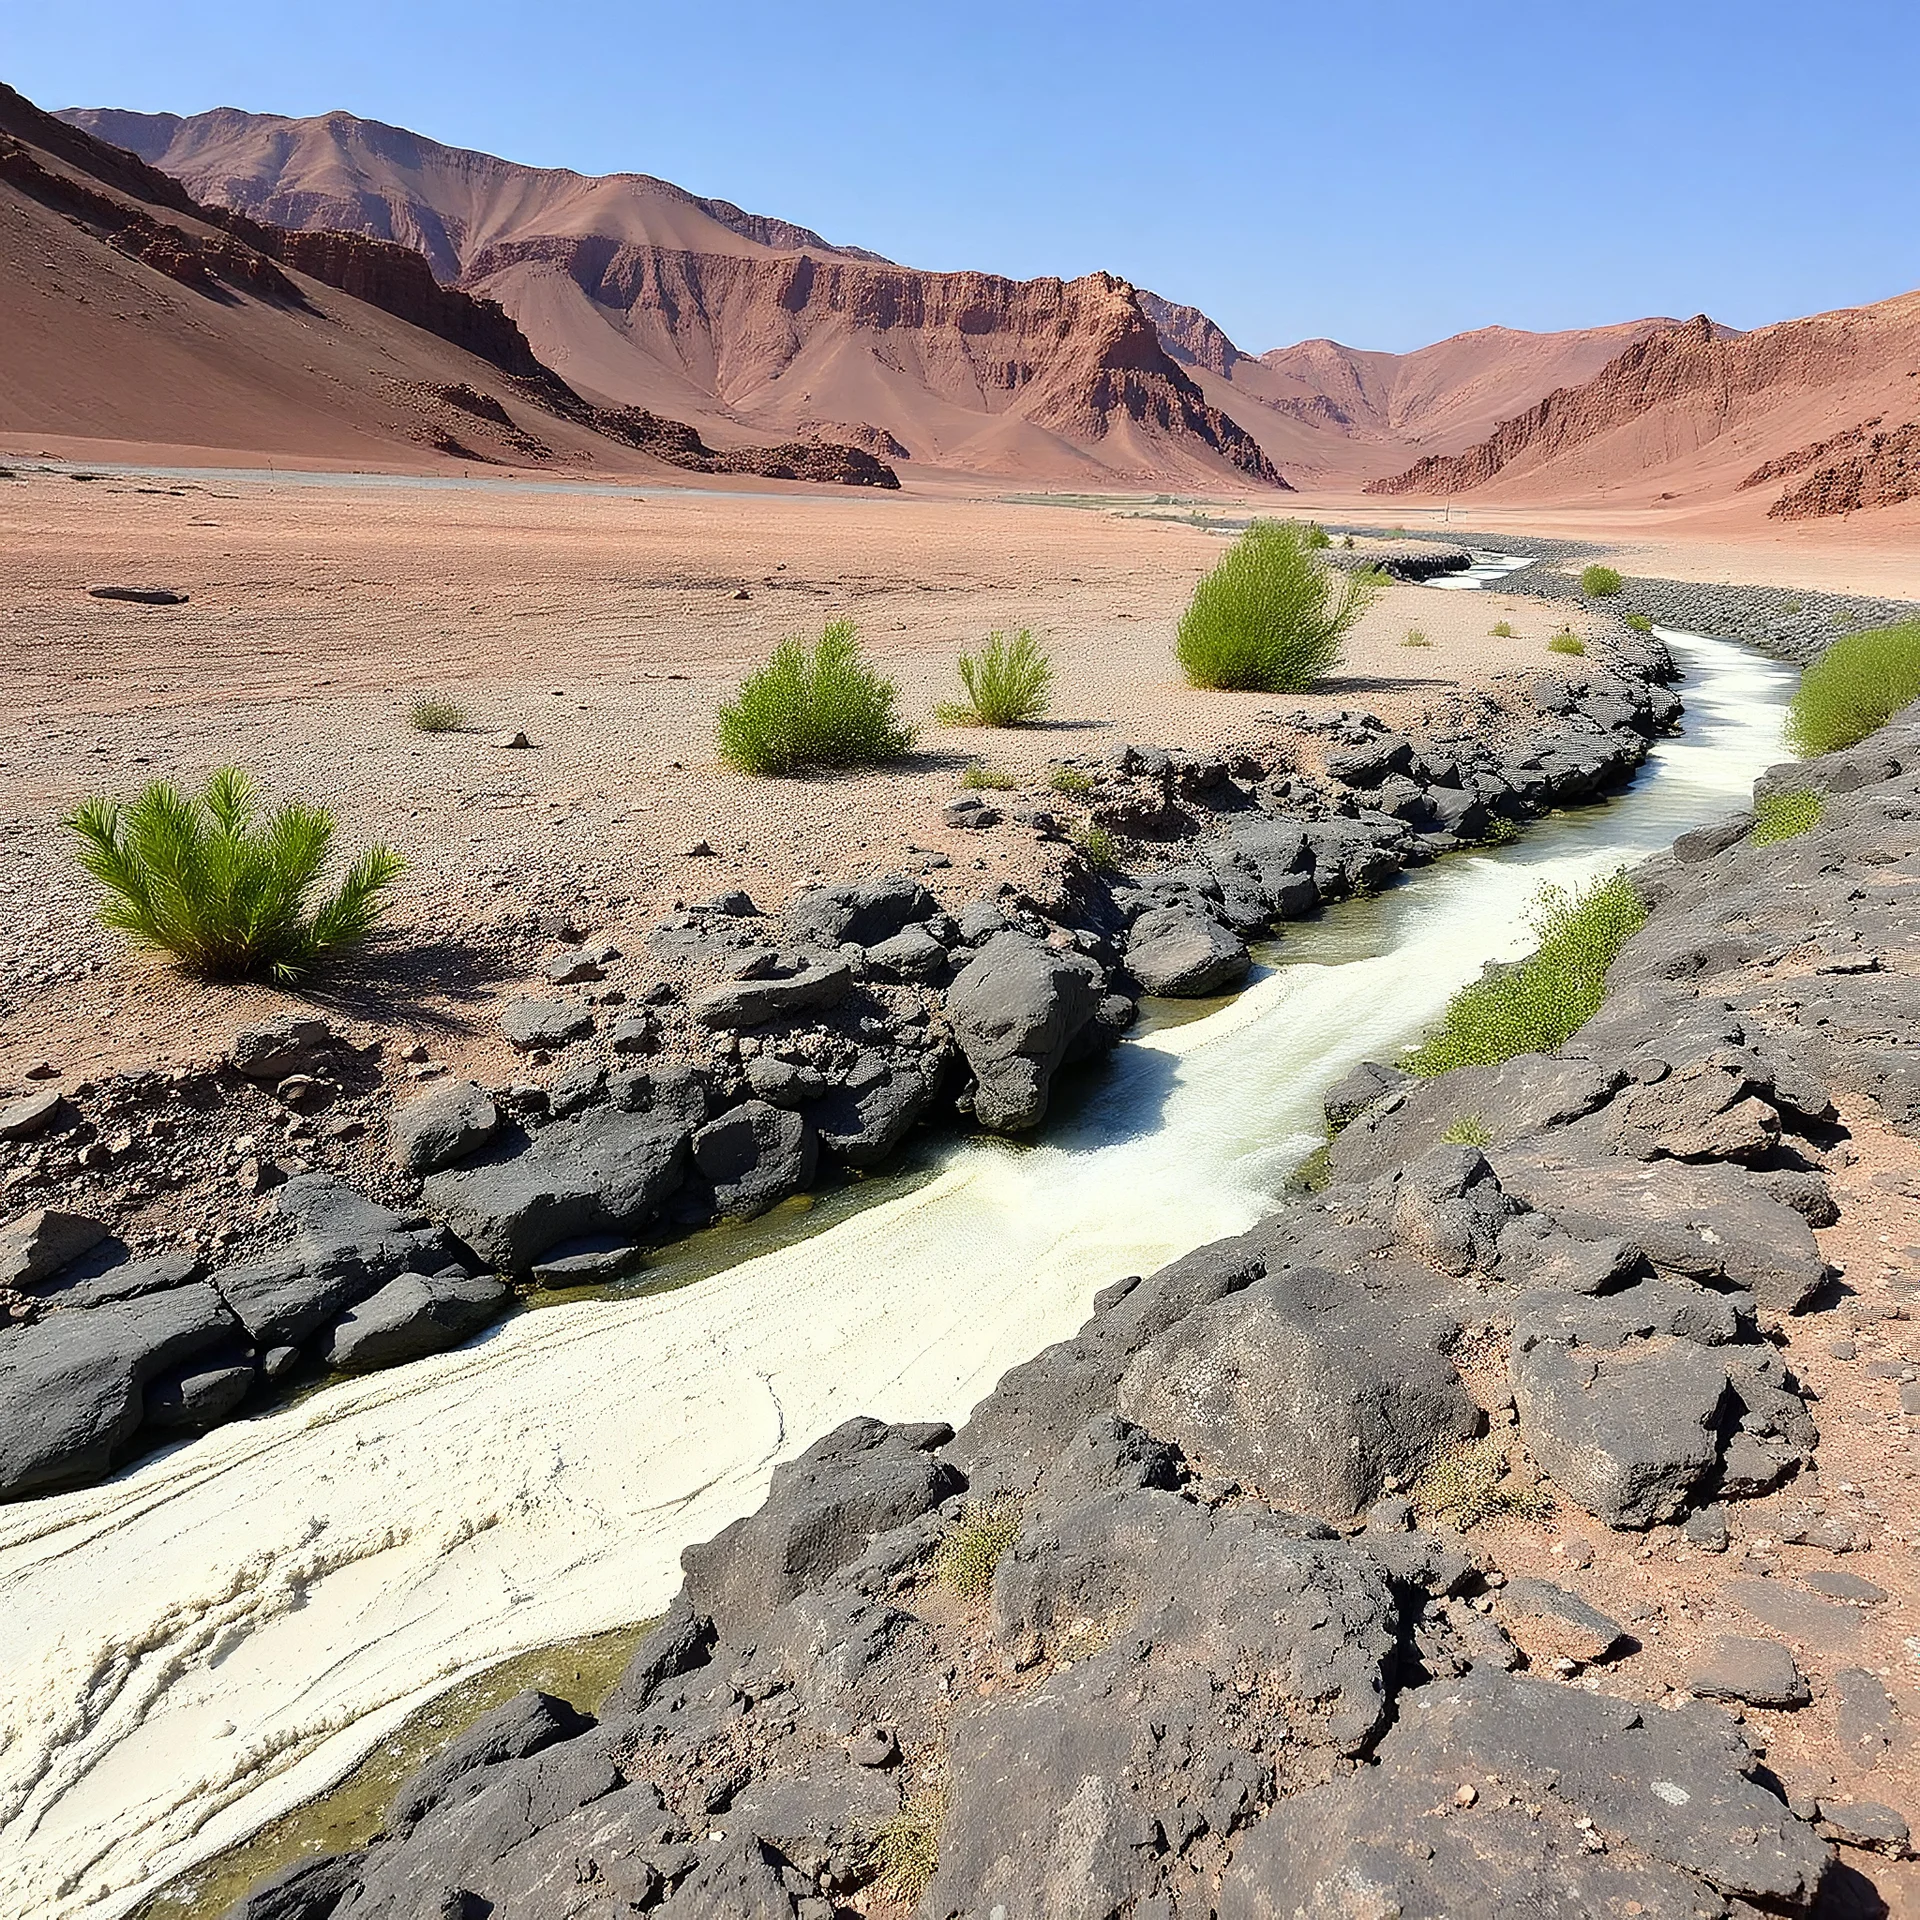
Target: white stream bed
x=226 y=1628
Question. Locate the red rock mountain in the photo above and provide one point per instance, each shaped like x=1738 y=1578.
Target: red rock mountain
x=1697 y=411
x=133 y=314
x=1333 y=414
x=641 y=295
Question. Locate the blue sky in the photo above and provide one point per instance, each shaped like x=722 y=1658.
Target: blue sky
x=1380 y=172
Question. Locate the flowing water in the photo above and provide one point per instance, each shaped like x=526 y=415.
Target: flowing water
x=226 y=1628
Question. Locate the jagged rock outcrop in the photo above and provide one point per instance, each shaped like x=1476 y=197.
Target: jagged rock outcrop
x=1883 y=472
x=1683 y=388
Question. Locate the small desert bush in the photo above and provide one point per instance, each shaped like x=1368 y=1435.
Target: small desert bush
x=1782 y=815
x=1070 y=780
x=1479 y=1480
x=1270 y=617
x=813 y=707
x=1600 y=583
x=1792 y=607
x=1856 y=685
x=904 y=1852
x=1501 y=832
x=1097 y=847
x=1501 y=630
x=1468 y=1131
x=968 y=1553
x=227 y=893
x=981 y=779
x=1415 y=638
x=1006 y=682
x=1639 y=623
x=436 y=716
x=1317 y=535
x=1533 y=1006
x=1566 y=643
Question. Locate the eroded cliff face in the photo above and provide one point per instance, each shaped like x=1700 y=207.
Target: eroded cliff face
x=645 y=296
x=1876 y=470
x=1079 y=358
x=1690 y=385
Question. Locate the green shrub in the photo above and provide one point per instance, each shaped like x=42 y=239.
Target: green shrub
x=1468 y=1131
x=1782 y=815
x=904 y=1853
x=823 y=707
x=979 y=779
x=1856 y=685
x=1600 y=583
x=436 y=716
x=1070 y=780
x=1501 y=630
x=1534 y=1006
x=1479 y=1480
x=969 y=1552
x=1006 y=682
x=227 y=893
x=1415 y=638
x=1639 y=623
x=1566 y=643
x=1317 y=535
x=1269 y=618
x=1792 y=607
x=1097 y=847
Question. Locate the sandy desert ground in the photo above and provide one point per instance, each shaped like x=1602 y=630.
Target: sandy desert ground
x=609 y=627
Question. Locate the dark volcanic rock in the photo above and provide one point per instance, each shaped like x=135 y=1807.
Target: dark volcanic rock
x=1305 y=1386
x=1017 y=1007
x=345 y=1247
x=1670 y=1790
x=600 y=1171
x=755 y=1154
x=414 y=1315
x=858 y=1480
x=443 y=1125
x=1176 y=952
x=71 y=1384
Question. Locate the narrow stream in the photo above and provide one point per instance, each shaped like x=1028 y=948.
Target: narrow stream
x=225 y=1629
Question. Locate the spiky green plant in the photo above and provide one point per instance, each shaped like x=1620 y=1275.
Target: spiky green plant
x=1469 y=1130
x=1070 y=780
x=1856 y=685
x=971 y=1549
x=1007 y=682
x=436 y=716
x=1501 y=630
x=1270 y=617
x=813 y=707
x=1478 y=1480
x=227 y=892
x=1097 y=847
x=904 y=1850
x=1780 y=816
x=1317 y=535
x=1600 y=583
x=1534 y=1006
x=1639 y=623
x=984 y=779
x=1415 y=638
x=1566 y=643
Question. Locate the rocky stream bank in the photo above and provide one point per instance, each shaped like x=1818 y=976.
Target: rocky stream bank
x=1169 y=1628
x=329 y=1210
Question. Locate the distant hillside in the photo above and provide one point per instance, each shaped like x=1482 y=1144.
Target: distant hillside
x=1700 y=410
x=642 y=295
